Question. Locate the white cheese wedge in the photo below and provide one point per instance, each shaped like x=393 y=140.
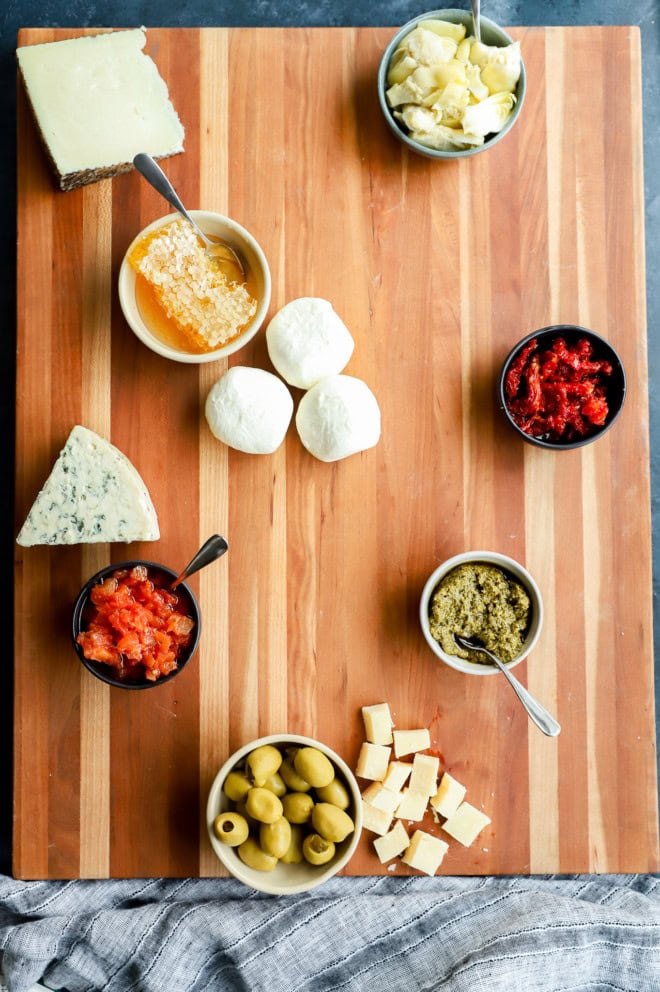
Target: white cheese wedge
x=98 y=101
x=449 y=796
x=93 y=494
x=424 y=776
x=425 y=852
x=376 y=820
x=412 y=806
x=378 y=723
x=397 y=775
x=381 y=798
x=393 y=843
x=409 y=741
x=466 y=824
x=373 y=761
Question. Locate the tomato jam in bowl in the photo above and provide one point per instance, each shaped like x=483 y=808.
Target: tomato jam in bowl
x=130 y=630
x=562 y=387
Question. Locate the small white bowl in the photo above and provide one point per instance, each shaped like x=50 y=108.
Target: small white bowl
x=227 y=230
x=506 y=564
x=283 y=880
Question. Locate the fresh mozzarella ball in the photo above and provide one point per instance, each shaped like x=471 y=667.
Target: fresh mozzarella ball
x=250 y=410
x=338 y=417
x=307 y=341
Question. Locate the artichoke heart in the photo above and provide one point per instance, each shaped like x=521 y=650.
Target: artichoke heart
x=445 y=28
x=446 y=139
x=489 y=116
x=428 y=48
x=500 y=67
x=401 y=66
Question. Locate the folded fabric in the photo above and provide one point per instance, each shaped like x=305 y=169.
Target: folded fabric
x=545 y=934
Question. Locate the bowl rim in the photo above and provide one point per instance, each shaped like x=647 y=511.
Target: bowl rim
x=98 y=669
x=128 y=304
x=267 y=881
x=461 y=16
x=492 y=558
x=557 y=330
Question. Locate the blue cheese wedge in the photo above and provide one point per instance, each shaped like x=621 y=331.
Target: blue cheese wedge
x=93 y=494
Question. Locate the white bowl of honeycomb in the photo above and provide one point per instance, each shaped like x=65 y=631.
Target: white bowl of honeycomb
x=185 y=305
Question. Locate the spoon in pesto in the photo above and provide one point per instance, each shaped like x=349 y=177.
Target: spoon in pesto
x=536 y=712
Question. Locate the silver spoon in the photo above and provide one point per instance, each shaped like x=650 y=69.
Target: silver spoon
x=537 y=713
x=476 y=14
x=210 y=551
x=220 y=252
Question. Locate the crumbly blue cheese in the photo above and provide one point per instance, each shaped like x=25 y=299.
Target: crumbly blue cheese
x=93 y=494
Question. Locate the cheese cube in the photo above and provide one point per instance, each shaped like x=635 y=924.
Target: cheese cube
x=425 y=852
x=373 y=761
x=376 y=820
x=412 y=806
x=397 y=775
x=381 y=798
x=449 y=796
x=407 y=741
x=378 y=723
x=424 y=776
x=465 y=824
x=392 y=843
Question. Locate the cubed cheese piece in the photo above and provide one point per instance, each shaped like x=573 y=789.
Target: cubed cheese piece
x=392 y=843
x=448 y=797
x=424 y=776
x=373 y=761
x=409 y=741
x=98 y=101
x=93 y=494
x=425 y=852
x=397 y=775
x=466 y=823
x=412 y=806
x=376 y=820
x=377 y=795
x=377 y=723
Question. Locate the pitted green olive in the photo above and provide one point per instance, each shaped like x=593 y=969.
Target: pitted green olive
x=251 y=854
x=263 y=805
x=331 y=822
x=317 y=850
x=231 y=828
x=335 y=793
x=237 y=786
x=261 y=763
x=274 y=838
x=298 y=806
x=293 y=855
x=314 y=766
x=276 y=784
x=293 y=780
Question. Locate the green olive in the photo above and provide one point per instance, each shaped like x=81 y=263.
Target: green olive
x=293 y=780
x=298 y=806
x=276 y=784
x=231 y=828
x=274 y=838
x=294 y=854
x=331 y=822
x=314 y=766
x=335 y=793
x=263 y=805
x=317 y=850
x=251 y=854
x=236 y=786
x=261 y=763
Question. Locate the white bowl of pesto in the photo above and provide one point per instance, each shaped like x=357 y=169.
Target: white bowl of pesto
x=483 y=595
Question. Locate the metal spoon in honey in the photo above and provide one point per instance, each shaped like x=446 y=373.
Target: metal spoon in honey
x=536 y=712
x=221 y=253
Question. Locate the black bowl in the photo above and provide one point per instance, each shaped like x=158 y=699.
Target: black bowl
x=188 y=603
x=615 y=384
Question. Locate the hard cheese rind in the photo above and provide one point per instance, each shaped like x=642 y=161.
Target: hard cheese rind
x=98 y=101
x=93 y=494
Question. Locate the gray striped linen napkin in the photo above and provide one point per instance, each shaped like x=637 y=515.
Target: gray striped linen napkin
x=540 y=934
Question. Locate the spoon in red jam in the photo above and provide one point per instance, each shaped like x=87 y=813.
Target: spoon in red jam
x=210 y=551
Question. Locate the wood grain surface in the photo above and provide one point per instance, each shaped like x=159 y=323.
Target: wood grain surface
x=437 y=269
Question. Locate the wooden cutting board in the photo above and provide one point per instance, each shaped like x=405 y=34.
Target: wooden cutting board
x=437 y=269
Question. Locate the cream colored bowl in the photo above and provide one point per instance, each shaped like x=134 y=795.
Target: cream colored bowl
x=284 y=879
x=250 y=252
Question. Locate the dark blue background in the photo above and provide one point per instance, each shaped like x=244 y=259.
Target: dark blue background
x=265 y=13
